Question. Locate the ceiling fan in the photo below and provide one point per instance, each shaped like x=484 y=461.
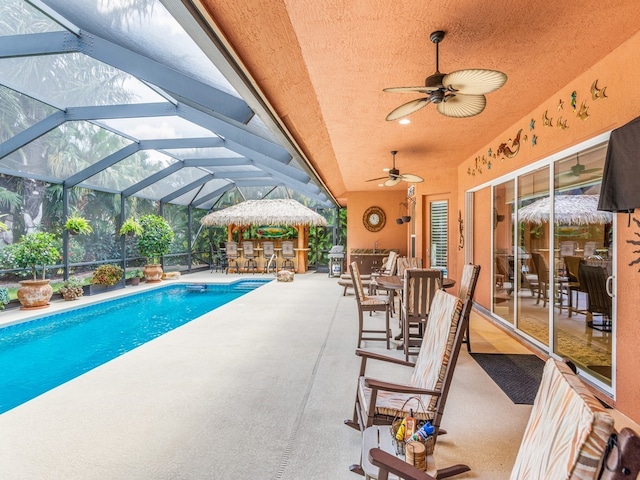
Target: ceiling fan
x=457 y=94
x=394 y=177
x=579 y=169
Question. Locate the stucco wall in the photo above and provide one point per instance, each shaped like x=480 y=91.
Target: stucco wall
x=619 y=72
x=391 y=236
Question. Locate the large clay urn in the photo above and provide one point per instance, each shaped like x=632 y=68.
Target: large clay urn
x=153 y=273
x=34 y=294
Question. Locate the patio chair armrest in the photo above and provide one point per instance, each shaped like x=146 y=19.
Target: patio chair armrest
x=383 y=357
x=392 y=464
x=397 y=387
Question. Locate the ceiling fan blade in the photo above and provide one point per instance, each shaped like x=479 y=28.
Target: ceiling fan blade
x=461 y=106
x=474 y=82
x=593 y=170
x=392 y=182
x=410 y=89
x=376 y=179
x=407 y=109
x=411 y=178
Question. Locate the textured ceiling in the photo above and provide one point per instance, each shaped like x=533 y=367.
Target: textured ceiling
x=322 y=65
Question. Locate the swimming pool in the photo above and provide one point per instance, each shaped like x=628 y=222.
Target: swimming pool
x=40 y=354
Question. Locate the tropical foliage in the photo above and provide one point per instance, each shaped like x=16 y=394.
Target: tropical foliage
x=155 y=239
x=78 y=225
x=34 y=250
x=130 y=227
x=107 y=275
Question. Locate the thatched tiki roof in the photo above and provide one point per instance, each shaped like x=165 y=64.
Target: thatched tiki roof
x=569 y=210
x=265 y=212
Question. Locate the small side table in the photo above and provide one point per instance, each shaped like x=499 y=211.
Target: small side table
x=380 y=436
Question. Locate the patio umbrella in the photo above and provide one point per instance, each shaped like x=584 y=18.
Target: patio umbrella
x=265 y=212
x=569 y=210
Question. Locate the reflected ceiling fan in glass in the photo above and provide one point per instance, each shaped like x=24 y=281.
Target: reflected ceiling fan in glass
x=458 y=94
x=579 y=169
x=394 y=176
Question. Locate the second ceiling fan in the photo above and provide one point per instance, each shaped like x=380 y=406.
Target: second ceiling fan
x=394 y=176
x=457 y=94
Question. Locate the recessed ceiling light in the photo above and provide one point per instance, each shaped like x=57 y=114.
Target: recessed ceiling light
x=404 y=121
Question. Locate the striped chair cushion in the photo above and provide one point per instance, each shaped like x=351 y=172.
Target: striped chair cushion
x=469 y=272
x=437 y=343
x=567 y=431
x=431 y=363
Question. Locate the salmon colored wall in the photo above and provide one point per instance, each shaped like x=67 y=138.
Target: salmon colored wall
x=482 y=250
x=391 y=236
x=619 y=72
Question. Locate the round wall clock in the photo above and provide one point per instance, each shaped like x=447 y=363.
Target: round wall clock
x=374 y=219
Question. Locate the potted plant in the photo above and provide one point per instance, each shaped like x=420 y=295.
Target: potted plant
x=34 y=250
x=4 y=297
x=136 y=276
x=72 y=289
x=77 y=225
x=130 y=227
x=153 y=242
x=107 y=275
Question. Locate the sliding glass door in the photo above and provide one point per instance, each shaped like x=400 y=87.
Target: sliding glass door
x=533 y=258
x=553 y=260
x=583 y=245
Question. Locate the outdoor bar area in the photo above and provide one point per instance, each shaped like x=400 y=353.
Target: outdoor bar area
x=270 y=219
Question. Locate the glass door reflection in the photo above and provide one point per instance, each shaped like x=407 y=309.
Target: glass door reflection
x=503 y=242
x=583 y=237
x=532 y=255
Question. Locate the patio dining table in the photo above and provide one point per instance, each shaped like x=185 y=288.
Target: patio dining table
x=393 y=284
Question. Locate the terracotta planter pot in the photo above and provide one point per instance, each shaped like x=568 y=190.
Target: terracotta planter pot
x=135 y=280
x=34 y=294
x=152 y=273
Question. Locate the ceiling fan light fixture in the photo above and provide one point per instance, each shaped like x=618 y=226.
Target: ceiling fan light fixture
x=441 y=89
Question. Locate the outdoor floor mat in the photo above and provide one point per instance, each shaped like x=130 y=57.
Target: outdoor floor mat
x=517 y=375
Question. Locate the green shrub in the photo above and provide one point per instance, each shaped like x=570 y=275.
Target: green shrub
x=107 y=275
x=155 y=239
x=33 y=250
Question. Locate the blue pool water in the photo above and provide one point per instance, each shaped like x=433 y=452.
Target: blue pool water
x=41 y=354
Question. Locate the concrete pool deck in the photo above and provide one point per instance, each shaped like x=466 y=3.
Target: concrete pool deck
x=256 y=389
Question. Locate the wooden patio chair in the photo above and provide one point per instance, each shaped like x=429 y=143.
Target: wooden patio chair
x=377 y=402
x=420 y=286
x=568 y=436
x=574 y=286
x=468 y=281
x=389 y=266
x=542 y=269
x=594 y=280
x=369 y=303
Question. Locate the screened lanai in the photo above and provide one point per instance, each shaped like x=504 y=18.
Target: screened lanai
x=112 y=109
